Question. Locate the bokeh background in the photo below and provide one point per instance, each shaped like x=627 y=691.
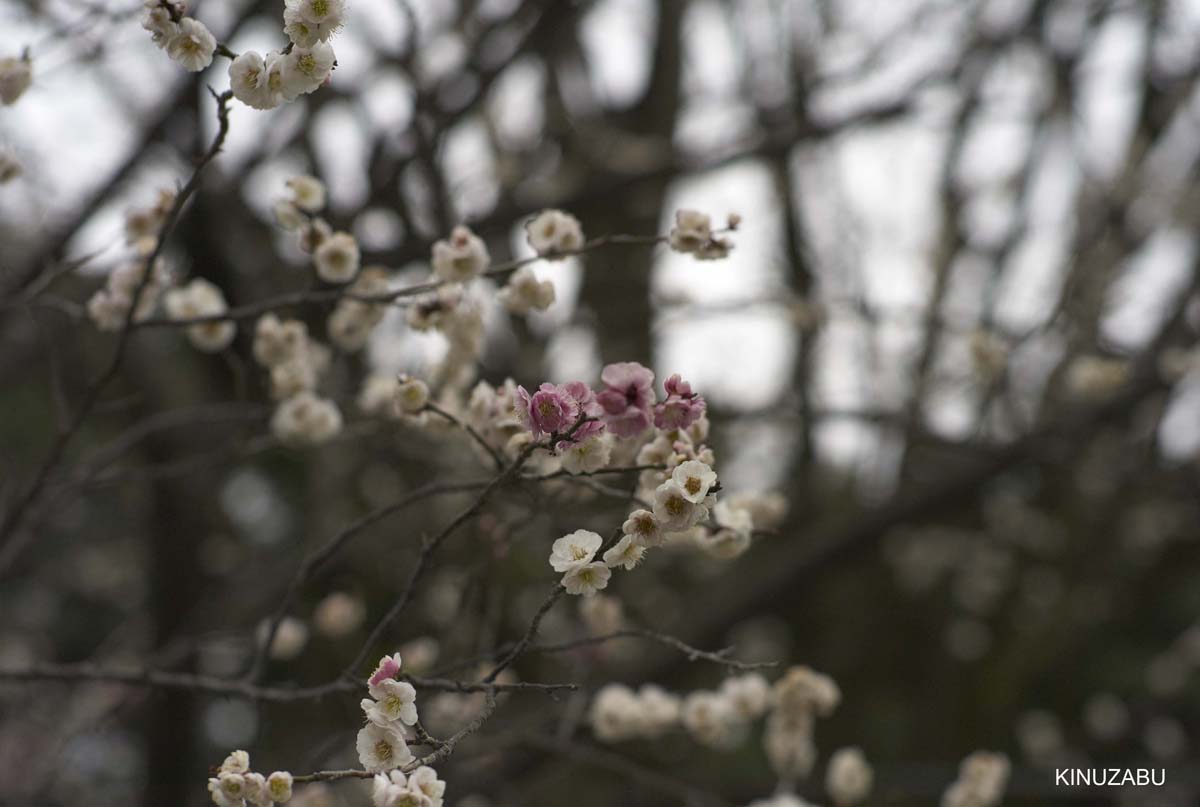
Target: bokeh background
x=953 y=334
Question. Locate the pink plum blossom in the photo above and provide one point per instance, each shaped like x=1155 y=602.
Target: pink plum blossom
x=682 y=407
x=550 y=410
x=627 y=398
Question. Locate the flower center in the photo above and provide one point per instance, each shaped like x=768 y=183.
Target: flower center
x=692 y=485
x=383 y=750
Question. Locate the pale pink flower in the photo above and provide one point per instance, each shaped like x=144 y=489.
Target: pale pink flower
x=627 y=398
x=550 y=410
x=682 y=407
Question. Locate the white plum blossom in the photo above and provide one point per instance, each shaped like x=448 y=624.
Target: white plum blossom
x=197 y=299
x=673 y=508
x=711 y=720
x=236 y=762
x=803 y=690
x=304 y=419
x=377 y=396
x=308 y=192
x=412 y=395
x=588 y=455
x=586 y=579
x=382 y=748
x=574 y=550
x=624 y=553
x=460 y=257
x=692 y=231
x=279 y=786
x=258 y=83
x=288 y=216
x=695 y=478
x=524 y=292
x=643 y=527
x=307 y=22
x=848 y=777
x=396 y=702
x=615 y=714
x=425 y=779
x=16 y=74
x=749 y=694
x=553 y=233
x=336 y=259
x=305 y=69
x=192 y=45
x=109 y=307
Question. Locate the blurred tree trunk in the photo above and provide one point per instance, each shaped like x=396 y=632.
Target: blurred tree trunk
x=617 y=285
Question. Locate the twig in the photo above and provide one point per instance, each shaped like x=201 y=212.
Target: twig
x=469 y=429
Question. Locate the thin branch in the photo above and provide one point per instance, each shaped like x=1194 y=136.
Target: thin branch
x=15 y=515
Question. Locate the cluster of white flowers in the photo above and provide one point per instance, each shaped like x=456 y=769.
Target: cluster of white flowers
x=721 y=718
x=421 y=788
x=461 y=257
x=681 y=512
x=457 y=316
x=261 y=82
x=296 y=363
x=801 y=695
x=982 y=777
x=491 y=412
x=693 y=234
x=356 y=315
x=618 y=713
x=185 y=39
x=16 y=74
x=235 y=785
x=109 y=306
x=383 y=742
x=524 y=292
x=201 y=299
x=554 y=234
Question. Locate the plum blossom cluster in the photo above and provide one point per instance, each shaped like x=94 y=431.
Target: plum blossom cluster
x=185 y=39
x=196 y=300
x=619 y=713
x=693 y=234
x=554 y=234
x=383 y=742
x=260 y=82
x=982 y=777
x=582 y=425
x=335 y=255
x=799 y=697
x=109 y=308
x=718 y=718
x=421 y=788
x=722 y=719
x=235 y=785
x=296 y=363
